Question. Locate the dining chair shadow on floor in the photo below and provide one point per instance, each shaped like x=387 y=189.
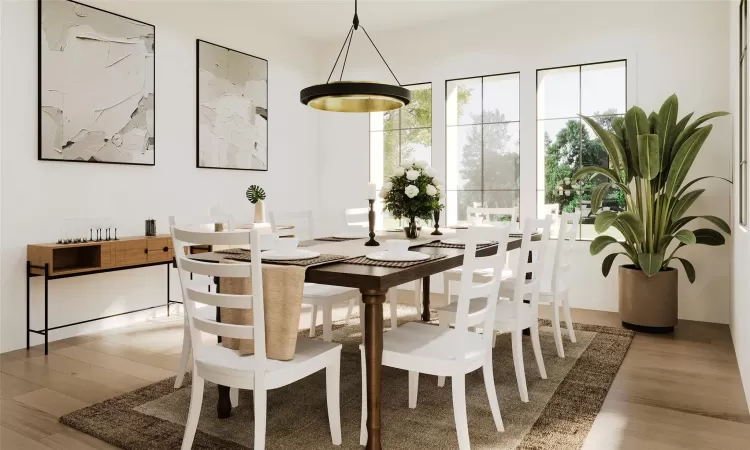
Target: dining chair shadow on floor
x=224 y=366
x=514 y=315
x=319 y=296
x=454 y=352
x=202 y=283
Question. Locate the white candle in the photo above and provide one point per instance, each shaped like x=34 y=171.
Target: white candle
x=371 y=191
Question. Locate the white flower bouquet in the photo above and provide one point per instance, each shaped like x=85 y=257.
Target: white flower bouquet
x=412 y=191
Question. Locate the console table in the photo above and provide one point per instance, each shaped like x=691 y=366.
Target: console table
x=55 y=261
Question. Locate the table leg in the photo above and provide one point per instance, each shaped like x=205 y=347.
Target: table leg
x=224 y=405
x=373 y=300
x=426 y=299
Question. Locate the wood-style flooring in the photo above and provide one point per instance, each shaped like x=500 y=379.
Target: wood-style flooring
x=672 y=392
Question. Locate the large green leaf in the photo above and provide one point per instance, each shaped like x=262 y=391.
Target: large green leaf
x=688 y=131
x=685 y=202
x=605 y=171
x=690 y=183
x=648 y=155
x=608 y=260
x=684 y=160
x=650 y=263
x=653 y=122
x=673 y=137
x=689 y=269
x=682 y=221
x=687 y=237
x=614 y=149
x=665 y=125
x=663 y=243
x=600 y=243
x=707 y=236
x=604 y=220
x=597 y=196
x=636 y=123
x=618 y=126
x=633 y=222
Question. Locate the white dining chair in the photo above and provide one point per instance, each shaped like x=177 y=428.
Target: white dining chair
x=512 y=314
x=224 y=366
x=423 y=348
x=481 y=275
x=318 y=296
x=207 y=223
x=554 y=290
x=357 y=217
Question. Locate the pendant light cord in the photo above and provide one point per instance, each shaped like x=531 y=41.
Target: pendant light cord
x=349 y=38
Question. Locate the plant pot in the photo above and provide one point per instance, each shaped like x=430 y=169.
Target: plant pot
x=648 y=304
x=412 y=230
x=260 y=212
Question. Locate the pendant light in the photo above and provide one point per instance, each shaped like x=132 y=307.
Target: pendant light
x=355 y=96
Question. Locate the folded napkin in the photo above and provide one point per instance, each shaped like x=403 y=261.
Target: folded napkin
x=282 y=301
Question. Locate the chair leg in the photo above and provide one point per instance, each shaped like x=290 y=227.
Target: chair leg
x=413 y=388
x=556 y=327
x=447 y=289
x=363 y=420
x=234 y=397
x=350 y=310
x=196 y=400
x=516 y=338
x=442 y=322
x=334 y=399
x=393 y=301
x=313 y=320
x=259 y=400
x=537 y=348
x=184 y=358
x=568 y=318
x=489 y=384
x=327 y=323
x=459 y=410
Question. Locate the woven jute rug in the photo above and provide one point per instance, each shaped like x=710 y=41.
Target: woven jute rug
x=558 y=416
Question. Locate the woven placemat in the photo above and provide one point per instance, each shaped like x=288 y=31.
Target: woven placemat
x=322 y=259
x=234 y=251
x=365 y=261
x=441 y=244
x=337 y=239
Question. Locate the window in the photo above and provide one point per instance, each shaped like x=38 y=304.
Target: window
x=743 y=114
x=482 y=143
x=565 y=143
x=401 y=135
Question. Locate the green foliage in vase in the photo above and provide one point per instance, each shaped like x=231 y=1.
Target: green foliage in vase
x=255 y=194
x=649 y=160
x=412 y=191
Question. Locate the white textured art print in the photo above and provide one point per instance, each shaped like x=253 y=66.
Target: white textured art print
x=97 y=85
x=232 y=109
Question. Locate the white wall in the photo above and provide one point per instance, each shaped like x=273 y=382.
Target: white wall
x=37 y=195
x=740 y=304
x=670 y=47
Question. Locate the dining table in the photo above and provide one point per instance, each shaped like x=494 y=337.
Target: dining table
x=373 y=283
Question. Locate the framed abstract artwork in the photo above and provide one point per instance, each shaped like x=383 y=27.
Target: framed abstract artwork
x=96 y=86
x=232 y=110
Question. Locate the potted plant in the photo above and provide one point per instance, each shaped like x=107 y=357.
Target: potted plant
x=257 y=195
x=412 y=191
x=650 y=157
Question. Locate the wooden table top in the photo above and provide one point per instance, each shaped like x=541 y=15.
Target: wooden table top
x=376 y=277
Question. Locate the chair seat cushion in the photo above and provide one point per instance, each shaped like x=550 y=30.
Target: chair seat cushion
x=228 y=362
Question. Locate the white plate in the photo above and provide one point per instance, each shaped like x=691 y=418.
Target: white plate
x=456 y=241
x=408 y=256
x=274 y=255
x=353 y=234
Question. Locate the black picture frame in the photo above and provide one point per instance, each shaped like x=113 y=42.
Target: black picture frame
x=197 y=107
x=40 y=70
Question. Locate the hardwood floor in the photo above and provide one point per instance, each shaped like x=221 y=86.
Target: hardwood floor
x=672 y=392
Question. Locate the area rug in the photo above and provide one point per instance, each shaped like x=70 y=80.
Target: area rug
x=558 y=416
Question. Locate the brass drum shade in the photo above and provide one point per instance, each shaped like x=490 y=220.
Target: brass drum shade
x=355 y=96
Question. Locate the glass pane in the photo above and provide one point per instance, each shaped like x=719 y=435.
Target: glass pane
x=559 y=149
x=593 y=151
x=464 y=199
x=603 y=89
x=384 y=120
x=463 y=101
x=501 y=156
x=500 y=94
x=416 y=145
x=501 y=199
x=418 y=114
x=464 y=163
x=558 y=93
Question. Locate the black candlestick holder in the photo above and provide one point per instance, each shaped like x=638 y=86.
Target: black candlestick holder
x=436 y=216
x=371 y=216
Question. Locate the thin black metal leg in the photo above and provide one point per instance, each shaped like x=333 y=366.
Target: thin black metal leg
x=169 y=269
x=46 y=308
x=28 y=304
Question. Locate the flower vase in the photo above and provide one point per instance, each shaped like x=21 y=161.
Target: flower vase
x=260 y=212
x=412 y=230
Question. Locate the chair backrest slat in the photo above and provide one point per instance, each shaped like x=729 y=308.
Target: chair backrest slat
x=221 y=300
x=239 y=270
x=295 y=218
x=357 y=216
x=223 y=329
x=200 y=236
